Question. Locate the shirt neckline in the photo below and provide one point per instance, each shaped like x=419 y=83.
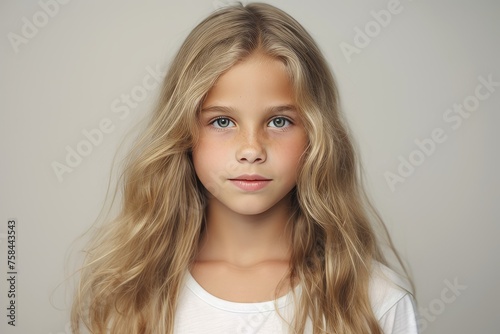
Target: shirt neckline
x=227 y=305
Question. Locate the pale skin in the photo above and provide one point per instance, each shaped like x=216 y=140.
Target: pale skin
x=245 y=250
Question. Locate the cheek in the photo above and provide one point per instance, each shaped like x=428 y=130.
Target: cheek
x=288 y=160
x=201 y=160
x=295 y=150
x=206 y=159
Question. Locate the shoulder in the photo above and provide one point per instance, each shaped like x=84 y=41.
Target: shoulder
x=386 y=288
x=391 y=300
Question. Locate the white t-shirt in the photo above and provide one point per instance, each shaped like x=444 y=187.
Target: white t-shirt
x=200 y=312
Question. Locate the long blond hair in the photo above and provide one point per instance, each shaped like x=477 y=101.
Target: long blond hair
x=134 y=268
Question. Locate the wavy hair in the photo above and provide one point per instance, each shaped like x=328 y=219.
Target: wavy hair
x=133 y=272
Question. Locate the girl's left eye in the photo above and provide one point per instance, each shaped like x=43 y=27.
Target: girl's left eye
x=280 y=122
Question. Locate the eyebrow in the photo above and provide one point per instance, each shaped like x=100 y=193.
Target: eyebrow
x=274 y=109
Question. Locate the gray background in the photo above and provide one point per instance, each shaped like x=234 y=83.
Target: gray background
x=66 y=76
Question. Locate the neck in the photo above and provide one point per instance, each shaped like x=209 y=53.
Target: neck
x=246 y=240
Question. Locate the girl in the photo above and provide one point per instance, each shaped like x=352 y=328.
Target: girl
x=243 y=211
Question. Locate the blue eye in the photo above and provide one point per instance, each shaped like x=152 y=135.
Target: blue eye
x=222 y=122
x=279 y=122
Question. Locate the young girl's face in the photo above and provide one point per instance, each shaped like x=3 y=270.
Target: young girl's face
x=250 y=129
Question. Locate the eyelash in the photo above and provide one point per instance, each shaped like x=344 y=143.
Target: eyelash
x=284 y=128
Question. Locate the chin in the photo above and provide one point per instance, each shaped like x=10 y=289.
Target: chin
x=252 y=209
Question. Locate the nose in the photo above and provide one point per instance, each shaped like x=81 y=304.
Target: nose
x=251 y=148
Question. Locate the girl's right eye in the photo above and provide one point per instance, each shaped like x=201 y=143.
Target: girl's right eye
x=221 y=122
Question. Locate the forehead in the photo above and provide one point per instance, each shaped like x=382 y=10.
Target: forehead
x=255 y=80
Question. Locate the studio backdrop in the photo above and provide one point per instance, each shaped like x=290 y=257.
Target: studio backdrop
x=419 y=83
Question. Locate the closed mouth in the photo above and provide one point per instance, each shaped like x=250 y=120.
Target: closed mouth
x=250 y=178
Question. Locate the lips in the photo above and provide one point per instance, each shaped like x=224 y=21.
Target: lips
x=252 y=182
x=251 y=177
